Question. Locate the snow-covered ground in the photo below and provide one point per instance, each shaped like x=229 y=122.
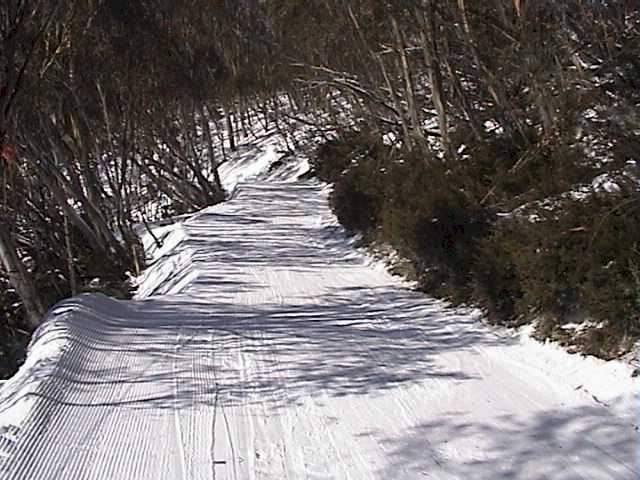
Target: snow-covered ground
x=262 y=345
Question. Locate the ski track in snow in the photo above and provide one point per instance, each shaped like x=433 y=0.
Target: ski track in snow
x=263 y=346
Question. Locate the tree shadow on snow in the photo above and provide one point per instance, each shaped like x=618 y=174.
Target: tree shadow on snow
x=560 y=444
x=202 y=348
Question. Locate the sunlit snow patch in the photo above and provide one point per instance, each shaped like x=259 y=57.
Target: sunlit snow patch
x=258 y=160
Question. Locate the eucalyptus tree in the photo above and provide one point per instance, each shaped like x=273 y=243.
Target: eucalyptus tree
x=90 y=108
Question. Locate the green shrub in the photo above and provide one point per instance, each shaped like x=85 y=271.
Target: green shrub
x=332 y=158
x=519 y=174
x=578 y=259
x=358 y=197
x=579 y=256
x=431 y=219
x=572 y=257
x=420 y=208
x=496 y=282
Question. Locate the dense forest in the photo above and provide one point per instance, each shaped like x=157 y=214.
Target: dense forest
x=493 y=145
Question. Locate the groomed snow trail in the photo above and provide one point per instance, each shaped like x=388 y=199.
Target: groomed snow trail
x=268 y=348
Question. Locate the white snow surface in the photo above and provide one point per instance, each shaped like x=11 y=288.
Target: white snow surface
x=262 y=345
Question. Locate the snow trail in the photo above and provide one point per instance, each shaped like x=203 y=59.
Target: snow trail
x=263 y=346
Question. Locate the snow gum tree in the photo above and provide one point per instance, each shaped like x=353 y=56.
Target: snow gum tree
x=103 y=124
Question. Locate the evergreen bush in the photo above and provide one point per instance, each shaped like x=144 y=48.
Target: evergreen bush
x=564 y=255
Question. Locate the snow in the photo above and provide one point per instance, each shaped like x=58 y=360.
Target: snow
x=263 y=345
x=605 y=183
x=254 y=159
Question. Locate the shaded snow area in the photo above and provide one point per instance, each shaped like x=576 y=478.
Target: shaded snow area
x=262 y=345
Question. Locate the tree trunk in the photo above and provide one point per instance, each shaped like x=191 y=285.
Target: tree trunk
x=416 y=128
x=432 y=61
x=73 y=282
x=396 y=103
x=213 y=164
x=20 y=278
x=508 y=120
x=230 y=131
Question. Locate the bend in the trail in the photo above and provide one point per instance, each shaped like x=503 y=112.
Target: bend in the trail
x=262 y=345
